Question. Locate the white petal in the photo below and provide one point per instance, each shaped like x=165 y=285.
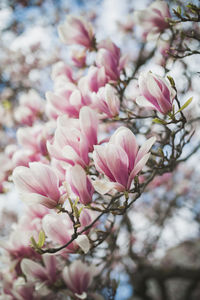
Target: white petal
x=142 y=101
x=83 y=242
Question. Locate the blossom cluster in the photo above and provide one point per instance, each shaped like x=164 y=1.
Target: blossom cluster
x=74 y=152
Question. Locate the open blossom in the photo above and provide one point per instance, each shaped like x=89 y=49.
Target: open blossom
x=106 y=101
x=153 y=18
x=120 y=160
x=80 y=184
x=74 y=138
x=35 y=272
x=156 y=92
x=37 y=184
x=78 y=277
x=76 y=30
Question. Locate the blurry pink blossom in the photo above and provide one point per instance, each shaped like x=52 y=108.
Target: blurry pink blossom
x=76 y=31
x=31 y=105
x=35 y=272
x=78 y=277
x=22 y=157
x=153 y=19
x=60 y=68
x=52 y=225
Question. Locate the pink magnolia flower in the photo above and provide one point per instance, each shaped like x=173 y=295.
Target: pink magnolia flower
x=156 y=92
x=109 y=57
x=18 y=245
x=74 y=139
x=35 y=272
x=153 y=18
x=16 y=288
x=24 y=115
x=60 y=68
x=80 y=184
x=38 y=184
x=106 y=101
x=35 y=138
x=52 y=225
x=22 y=157
x=96 y=78
x=30 y=106
x=23 y=290
x=33 y=101
x=66 y=100
x=120 y=160
x=76 y=30
x=78 y=277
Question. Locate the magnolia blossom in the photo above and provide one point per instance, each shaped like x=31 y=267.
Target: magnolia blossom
x=6 y=166
x=156 y=92
x=153 y=19
x=38 y=184
x=109 y=57
x=76 y=30
x=36 y=272
x=120 y=160
x=30 y=106
x=24 y=115
x=74 y=139
x=61 y=69
x=22 y=157
x=16 y=288
x=52 y=225
x=18 y=245
x=78 y=277
x=106 y=101
x=80 y=184
x=67 y=99
x=95 y=78
x=34 y=138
